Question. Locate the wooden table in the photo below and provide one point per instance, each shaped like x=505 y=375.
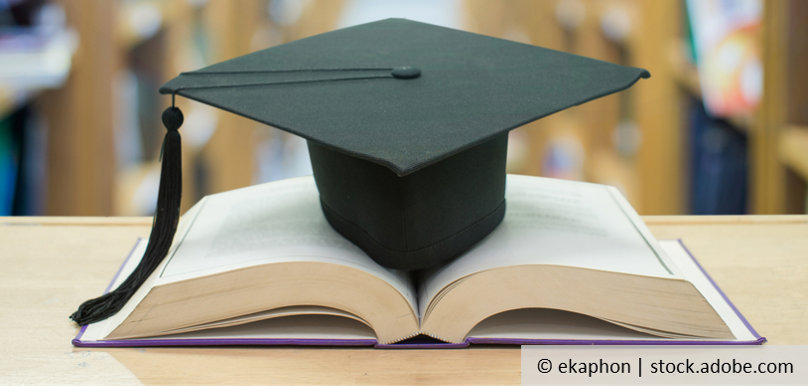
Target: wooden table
x=50 y=265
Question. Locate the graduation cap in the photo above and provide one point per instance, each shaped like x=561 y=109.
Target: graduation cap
x=407 y=127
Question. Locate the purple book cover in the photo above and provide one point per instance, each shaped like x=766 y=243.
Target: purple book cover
x=418 y=342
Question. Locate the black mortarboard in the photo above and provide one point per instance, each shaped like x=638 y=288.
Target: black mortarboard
x=406 y=125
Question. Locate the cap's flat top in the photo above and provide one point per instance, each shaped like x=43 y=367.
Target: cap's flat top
x=471 y=87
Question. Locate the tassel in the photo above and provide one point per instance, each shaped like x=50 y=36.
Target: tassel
x=164 y=225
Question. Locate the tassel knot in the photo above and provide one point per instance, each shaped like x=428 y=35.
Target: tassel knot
x=172 y=118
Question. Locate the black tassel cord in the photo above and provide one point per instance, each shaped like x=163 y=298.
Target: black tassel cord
x=169 y=196
x=164 y=225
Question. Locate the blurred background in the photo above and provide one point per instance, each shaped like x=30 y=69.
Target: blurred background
x=720 y=128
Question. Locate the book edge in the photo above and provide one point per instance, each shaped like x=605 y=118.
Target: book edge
x=224 y=342
x=77 y=342
x=616 y=342
x=77 y=339
x=723 y=295
x=759 y=341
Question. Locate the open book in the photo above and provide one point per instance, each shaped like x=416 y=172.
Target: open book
x=571 y=262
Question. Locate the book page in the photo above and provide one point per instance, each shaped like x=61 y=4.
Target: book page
x=693 y=273
x=283 y=312
x=549 y=324
x=558 y=222
x=546 y=324
x=271 y=223
x=327 y=329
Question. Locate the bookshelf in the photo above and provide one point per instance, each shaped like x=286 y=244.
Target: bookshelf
x=104 y=127
x=636 y=140
x=36 y=54
x=779 y=136
x=655 y=177
x=79 y=117
x=776 y=132
x=792 y=148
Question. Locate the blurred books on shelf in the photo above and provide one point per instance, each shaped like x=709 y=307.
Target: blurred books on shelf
x=36 y=50
x=728 y=54
x=723 y=115
x=719 y=167
x=22 y=163
x=8 y=166
x=35 y=58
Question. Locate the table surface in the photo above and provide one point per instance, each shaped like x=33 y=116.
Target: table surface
x=49 y=265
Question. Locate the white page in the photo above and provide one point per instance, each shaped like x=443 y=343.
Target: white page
x=557 y=222
x=270 y=223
